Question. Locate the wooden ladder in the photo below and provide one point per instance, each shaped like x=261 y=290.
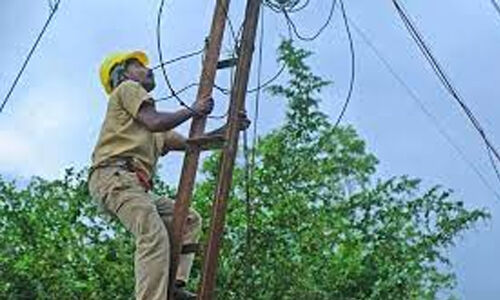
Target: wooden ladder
x=226 y=166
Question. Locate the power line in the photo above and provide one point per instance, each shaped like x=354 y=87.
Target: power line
x=493 y=164
x=160 y=57
x=162 y=65
x=353 y=65
x=54 y=7
x=231 y=27
x=413 y=95
x=261 y=86
x=184 y=89
x=177 y=59
x=268 y=82
x=188 y=87
x=320 y=30
x=291 y=6
x=257 y=99
x=496 y=6
x=51 y=4
x=250 y=158
x=299 y=8
x=443 y=77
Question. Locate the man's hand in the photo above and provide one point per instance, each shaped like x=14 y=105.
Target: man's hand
x=204 y=106
x=243 y=121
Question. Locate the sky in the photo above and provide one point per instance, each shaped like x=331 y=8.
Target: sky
x=53 y=117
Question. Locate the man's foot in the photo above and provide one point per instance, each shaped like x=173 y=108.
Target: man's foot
x=180 y=293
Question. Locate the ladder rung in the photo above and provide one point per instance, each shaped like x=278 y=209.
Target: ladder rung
x=227 y=63
x=206 y=140
x=190 y=248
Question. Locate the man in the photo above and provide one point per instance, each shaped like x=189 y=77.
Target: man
x=132 y=138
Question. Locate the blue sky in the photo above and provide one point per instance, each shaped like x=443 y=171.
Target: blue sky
x=54 y=115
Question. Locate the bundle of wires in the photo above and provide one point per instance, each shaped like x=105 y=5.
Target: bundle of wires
x=289 y=6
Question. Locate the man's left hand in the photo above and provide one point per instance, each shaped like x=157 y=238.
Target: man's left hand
x=243 y=121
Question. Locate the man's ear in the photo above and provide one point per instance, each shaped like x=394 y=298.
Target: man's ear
x=117 y=75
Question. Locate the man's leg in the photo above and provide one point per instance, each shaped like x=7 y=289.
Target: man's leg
x=123 y=196
x=191 y=235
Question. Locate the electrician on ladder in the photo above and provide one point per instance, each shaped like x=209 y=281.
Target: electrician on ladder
x=133 y=136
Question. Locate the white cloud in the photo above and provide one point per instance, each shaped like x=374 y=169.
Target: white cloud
x=40 y=136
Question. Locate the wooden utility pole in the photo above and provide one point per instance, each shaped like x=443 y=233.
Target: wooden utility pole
x=192 y=155
x=238 y=95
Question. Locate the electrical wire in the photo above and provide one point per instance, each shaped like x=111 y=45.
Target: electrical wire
x=493 y=164
x=258 y=94
x=51 y=4
x=268 y=82
x=300 y=8
x=160 y=58
x=250 y=159
x=184 y=89
x=188 y=87
x=234 y=35
x=258 y=87
x=162 y=65
x=288 y=5
x=54 y=7
x=177 y=59
x=320 y=30
x=353 y=65
x=496 y=6
x=420 y=104
x=446 y=82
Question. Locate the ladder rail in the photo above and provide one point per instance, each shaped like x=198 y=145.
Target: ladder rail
x=191 y=158
x=226 y=167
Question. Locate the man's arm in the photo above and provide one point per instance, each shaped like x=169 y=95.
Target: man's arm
x=211 y=140
x=161 y=121
x=243 y=124
x=156 y=121
x=174 y=141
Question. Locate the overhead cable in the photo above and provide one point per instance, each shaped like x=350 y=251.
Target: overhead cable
x=420 y=104
x=54 y=7
x=353 y=65
x=320 y=30
x=177 y=59
x=496 y=6
x=174 y=93
x=446 y=82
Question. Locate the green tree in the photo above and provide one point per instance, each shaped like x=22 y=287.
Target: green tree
x=54 y=245
x=321 y=225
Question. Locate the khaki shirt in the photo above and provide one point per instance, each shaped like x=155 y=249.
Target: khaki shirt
x=122 y=135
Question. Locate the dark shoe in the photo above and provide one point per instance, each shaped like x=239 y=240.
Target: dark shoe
x=181 y=294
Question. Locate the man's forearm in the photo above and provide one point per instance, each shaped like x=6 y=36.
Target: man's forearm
x=166 y=121
x=212 y=140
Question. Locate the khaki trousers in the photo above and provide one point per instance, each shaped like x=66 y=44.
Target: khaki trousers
x=149 y=217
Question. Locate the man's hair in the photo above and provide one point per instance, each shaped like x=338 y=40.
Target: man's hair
x=117 y=74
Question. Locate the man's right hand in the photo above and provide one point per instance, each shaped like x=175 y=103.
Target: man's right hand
x=203 y=106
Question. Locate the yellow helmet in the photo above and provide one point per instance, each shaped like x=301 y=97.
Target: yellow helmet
x=115 y=59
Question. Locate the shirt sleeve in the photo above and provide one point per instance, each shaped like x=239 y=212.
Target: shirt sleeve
x=131 y=96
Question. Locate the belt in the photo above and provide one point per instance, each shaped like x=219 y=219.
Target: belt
x=128 y=164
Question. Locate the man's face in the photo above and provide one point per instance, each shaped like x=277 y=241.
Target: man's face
x=139 y=73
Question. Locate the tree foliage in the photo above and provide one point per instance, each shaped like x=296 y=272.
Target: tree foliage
x=318 y=223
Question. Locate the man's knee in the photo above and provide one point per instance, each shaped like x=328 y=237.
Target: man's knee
x=194 y=220
x=142 y=219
